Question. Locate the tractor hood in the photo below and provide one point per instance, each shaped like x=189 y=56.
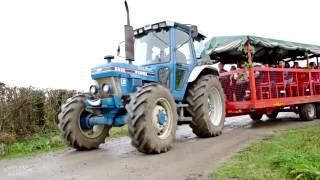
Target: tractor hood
x=123 y=70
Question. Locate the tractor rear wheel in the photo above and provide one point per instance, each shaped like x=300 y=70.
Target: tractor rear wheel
x=255 y=116
x=152 y=119
x=70 y=116
x=307 y=112
x=206 y=106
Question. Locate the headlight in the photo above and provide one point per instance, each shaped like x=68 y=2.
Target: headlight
x=106 y=88
x=93 y=90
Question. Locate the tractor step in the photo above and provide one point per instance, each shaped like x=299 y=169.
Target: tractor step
x=182 y=119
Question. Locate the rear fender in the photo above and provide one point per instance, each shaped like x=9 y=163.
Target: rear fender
x=202 y=70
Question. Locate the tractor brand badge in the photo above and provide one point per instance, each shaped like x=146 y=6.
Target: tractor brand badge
x=123 y=81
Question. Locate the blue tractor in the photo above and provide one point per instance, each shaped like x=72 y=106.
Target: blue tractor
x=164 y=84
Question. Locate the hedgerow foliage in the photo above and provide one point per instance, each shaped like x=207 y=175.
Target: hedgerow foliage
x=26 y=111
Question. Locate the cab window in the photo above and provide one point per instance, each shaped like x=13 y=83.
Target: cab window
x=184 y=50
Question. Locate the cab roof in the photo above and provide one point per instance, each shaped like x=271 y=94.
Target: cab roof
x=167 y=24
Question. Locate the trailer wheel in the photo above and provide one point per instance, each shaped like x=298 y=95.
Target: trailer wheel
x=317 y=110
x=307 y=112
x=273 y=115
x=69 y=123
x=206 y=106
x=152 y=119
x=255 y=116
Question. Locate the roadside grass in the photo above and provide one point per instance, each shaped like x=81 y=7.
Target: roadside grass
x=290 y=154
x=117 y=132
x=33 y=145
x=41 y=143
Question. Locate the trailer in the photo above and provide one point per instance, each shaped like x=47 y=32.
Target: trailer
x=268 y=78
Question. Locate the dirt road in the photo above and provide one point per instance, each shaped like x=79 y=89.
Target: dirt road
x=191 y=157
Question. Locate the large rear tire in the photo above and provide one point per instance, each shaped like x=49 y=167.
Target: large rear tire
x=69 y=123
x=307 y=112
x=152 y=119
x=206 y=106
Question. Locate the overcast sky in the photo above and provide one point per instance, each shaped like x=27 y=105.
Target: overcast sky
x=54 y=43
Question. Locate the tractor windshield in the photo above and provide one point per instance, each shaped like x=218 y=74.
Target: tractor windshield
x=152 y=48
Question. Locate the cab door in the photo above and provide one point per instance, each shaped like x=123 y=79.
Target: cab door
x=184 y=61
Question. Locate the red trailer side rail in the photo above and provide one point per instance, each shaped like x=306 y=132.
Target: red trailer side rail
x=269 y=88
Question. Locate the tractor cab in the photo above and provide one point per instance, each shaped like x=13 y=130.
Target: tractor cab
x=164 y=52
x=171 y=50
x=154 y=44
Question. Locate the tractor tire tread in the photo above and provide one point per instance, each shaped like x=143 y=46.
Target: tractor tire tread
x=67 y=116
x=137 y=121
x=195 y=96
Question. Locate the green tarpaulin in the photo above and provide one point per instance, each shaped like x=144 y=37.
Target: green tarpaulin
x=230 y=49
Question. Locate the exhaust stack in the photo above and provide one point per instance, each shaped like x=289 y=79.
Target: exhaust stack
x=129 y=37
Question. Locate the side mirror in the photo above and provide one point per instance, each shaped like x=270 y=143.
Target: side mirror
x=194 y=31
x=121 y=50
x=118 y=50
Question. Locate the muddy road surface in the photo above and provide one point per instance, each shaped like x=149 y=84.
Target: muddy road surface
x=191 y=158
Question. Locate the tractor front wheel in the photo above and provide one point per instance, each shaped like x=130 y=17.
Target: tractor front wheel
x=70 y=117
x=152 y=119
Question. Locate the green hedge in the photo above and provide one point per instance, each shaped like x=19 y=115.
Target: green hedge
x=26 y=111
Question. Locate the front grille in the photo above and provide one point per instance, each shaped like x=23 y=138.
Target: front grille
x=115 y=86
